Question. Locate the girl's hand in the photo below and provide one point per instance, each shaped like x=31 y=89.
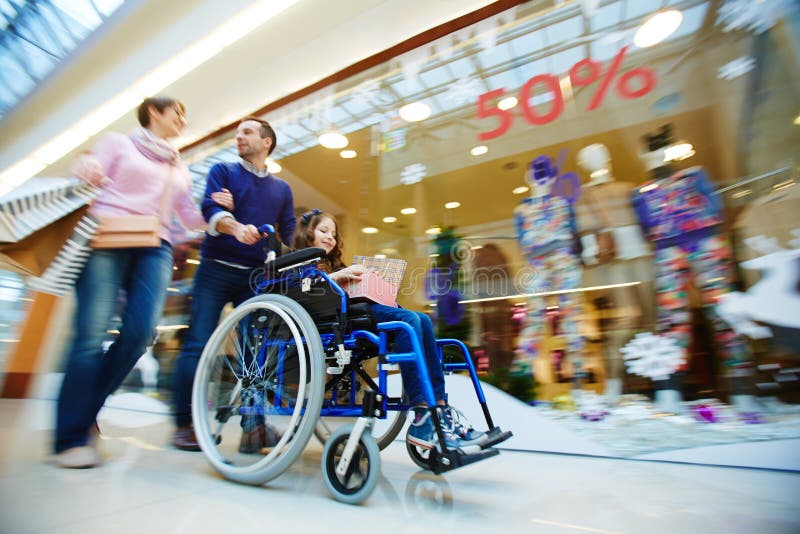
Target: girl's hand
x=224 y=198
x=88 y=169
x=351 y=274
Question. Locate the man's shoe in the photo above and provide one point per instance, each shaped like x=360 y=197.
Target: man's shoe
x=255 y=441
x=185 y=439
x=81 y=457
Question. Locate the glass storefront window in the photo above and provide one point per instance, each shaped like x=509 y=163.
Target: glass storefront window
x=611 y=210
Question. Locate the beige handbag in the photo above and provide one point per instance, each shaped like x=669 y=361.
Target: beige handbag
x=133 y=231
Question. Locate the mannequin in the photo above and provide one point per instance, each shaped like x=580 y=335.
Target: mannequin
x=545 y=229
x=605 y=204
x=682 y=216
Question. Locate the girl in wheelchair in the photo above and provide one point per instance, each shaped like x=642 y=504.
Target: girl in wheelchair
x=318 y=229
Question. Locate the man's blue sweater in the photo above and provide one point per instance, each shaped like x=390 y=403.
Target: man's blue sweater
x=257 y=200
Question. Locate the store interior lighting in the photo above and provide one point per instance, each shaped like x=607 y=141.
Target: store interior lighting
x=390 y=219
x=415 y=112
x=273 y=167
x=657 y=28
x=479 y=150
x=332 y=139
x=348 y=154
x=507 y=103
x=408 y=211
x=678 y=151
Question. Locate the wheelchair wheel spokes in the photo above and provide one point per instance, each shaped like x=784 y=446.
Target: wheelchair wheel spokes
x=258 y=389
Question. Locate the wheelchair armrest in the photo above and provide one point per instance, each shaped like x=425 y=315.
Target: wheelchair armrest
x=298 y=257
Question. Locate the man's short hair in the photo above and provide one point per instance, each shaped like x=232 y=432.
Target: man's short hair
x=266 y=131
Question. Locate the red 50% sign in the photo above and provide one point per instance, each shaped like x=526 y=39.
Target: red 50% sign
x=582 y=73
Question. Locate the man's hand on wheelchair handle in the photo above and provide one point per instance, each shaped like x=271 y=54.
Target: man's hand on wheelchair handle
x=247 y=234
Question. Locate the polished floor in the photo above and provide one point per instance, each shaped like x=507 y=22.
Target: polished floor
x=145 y=486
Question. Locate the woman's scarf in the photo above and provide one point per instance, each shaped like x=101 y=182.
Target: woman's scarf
x=154 y=148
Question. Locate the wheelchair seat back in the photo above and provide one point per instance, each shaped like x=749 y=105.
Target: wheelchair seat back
x=320 y=300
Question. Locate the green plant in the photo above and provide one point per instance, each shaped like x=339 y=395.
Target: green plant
x=519 y=385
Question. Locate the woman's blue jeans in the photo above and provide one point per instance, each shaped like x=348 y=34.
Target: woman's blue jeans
x=90 y=375
x=423 y=327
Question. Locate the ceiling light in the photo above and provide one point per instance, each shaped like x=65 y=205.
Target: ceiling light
x=797 y=120
x=519 y=190
x=389 y=219
x=332 y=139
x=415 y=112
x=348 y=154
x=479 y=150
x=433 y=231
x=678 y=151
x=408 y=211
x=452 y=205
x=507 y=103
x=369 y=230
x=382 y=256
x=657 y=28
x=273 y=167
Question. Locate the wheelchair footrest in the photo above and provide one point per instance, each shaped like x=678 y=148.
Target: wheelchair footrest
x=456 y=459
x=496 y=435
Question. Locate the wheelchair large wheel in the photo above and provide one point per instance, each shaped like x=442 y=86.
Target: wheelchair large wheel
x=258 y=389
x=384 y=430
x=362 y=474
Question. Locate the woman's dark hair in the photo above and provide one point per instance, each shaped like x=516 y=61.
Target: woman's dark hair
x=160 y=103
x=304 y=238
x=266 y=131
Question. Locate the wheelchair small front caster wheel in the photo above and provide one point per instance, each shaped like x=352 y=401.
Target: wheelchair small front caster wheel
x=420 y=456
x=359 y=480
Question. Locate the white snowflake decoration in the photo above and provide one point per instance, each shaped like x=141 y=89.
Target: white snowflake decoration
x=738 y=67
x=413 y=173
x=465 y=90
x=756 y=15
x=652 y=356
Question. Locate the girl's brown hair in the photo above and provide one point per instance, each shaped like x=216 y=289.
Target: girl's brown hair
x=304 y=238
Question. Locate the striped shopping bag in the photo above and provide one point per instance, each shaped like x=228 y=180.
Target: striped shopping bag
x=60 y=276
x=40 y=202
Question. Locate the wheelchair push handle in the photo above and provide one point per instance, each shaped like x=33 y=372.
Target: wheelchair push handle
x=272 y=245
x=266 y=229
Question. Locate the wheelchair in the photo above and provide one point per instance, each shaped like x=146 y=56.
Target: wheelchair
x=295 y=358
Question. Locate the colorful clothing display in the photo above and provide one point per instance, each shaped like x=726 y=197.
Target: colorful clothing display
x=706 y=264
x=673 y=208
x=545 y=229
x=682 y=214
